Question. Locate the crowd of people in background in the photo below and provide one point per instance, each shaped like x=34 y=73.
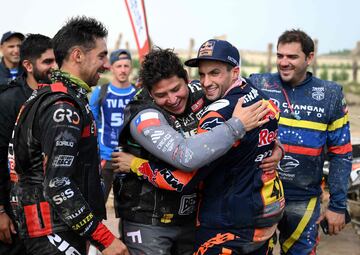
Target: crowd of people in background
x=208 y=166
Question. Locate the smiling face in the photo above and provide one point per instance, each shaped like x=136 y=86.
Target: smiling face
x=121 y=69
x=95 y=62
x=11 y=51
x=292 y=63
x=171 y=94
x=216 y=78
x=43 y=66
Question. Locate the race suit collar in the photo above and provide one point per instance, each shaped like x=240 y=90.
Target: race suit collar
x=240 y=81
x=308 y=78
x=70 y=81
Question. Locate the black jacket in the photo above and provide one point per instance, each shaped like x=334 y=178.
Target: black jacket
x=12 y=96
x=5 y=76
x=54 y=153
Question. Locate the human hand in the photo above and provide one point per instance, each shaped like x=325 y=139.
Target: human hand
x=121 y=161
x=271 y=163
x=6 y=228
x=335 y=221
x=116 y=248
x=251 y=116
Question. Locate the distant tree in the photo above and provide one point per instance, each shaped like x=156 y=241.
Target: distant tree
x=335 y=76
x=343 y=75
x=324 y=75
x=344 y=52
x=136 y=63
x=262 y=68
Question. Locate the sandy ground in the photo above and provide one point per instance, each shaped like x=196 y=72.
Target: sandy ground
x=347 y=242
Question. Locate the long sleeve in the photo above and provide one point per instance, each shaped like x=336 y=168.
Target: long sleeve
x=151 y=130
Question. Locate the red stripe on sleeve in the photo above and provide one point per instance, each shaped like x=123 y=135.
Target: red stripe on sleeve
x=103 y=235
x=342 y=149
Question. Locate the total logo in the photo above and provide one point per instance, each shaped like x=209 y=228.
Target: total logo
x=266 y=137
x=61 y=114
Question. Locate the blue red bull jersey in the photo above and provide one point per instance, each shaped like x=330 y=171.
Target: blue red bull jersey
x=313 y=121
x=237 y=193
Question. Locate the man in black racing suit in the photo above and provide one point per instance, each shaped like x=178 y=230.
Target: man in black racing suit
x=58 y=199
x=37 y=58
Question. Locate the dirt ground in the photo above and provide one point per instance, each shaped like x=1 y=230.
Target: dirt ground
x=347 y=242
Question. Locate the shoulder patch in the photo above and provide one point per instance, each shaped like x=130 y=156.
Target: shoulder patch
x=147 y=119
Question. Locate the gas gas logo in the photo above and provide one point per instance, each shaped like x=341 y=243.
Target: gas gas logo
x=266 y=137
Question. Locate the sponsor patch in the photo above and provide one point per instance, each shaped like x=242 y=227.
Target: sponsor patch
x=66 y=114
x=63 y=160
x=288 y=163
x=266 y=137
x=63 y=196
x=62 y=245
x=135 y=236
x=65 y=139
x=75 y=214
x=147 y=119
x=59 y=182
x=187 y=204
x=207 y=49
x=83 y=222
x=318 y=93
x=198 y=105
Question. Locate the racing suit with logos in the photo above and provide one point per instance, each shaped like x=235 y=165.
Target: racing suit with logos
x=12 y=96
x=167 y=215
x=313 y=117
x=241 y=204
x=58 y=197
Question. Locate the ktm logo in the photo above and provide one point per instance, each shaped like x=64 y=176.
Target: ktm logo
x=171 y=180
x=266 y=137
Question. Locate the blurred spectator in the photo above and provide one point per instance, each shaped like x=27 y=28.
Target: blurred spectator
x=10 y=48
x=107 y=103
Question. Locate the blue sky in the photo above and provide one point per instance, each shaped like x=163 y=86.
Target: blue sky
x=249 y=24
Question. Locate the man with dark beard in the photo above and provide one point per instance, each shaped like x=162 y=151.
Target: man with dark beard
x=37 y=59
x=59 y=204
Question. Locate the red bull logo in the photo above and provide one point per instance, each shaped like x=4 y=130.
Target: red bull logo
x=274 y=112
x=266 y=137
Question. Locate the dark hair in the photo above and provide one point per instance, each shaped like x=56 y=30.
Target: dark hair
x=160 y=64
x=297 y=35
x=78 y=31
x=33 y=46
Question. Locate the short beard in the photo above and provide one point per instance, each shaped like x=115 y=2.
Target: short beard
x=40 y=78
